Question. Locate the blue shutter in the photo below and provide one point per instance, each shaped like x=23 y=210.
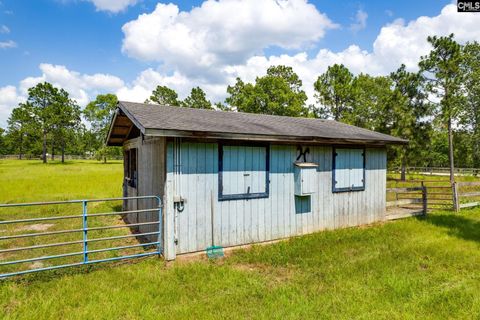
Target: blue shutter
x=342 y=169
x=244 y=170
x=356 y=168
x=349 y=171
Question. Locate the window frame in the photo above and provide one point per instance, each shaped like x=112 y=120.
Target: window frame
x=132 y=182
x=334 y=159
x=243 y=196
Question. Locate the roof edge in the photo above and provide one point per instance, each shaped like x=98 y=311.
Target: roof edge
x=392 y=140
x=269 y=138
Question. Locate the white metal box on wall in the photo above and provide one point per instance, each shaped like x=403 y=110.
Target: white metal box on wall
x=305 y=178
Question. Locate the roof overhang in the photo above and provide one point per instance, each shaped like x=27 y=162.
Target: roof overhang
x=123 y=122
x=120 y=127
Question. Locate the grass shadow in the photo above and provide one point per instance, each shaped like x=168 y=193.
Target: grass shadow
x=456 y=225
x=109 y=162
x=73 y=162
x=135 y=230
x=54 y=275
x=50 y=163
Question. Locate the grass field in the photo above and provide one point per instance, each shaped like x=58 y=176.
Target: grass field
x=415 y=268
x=30 y=181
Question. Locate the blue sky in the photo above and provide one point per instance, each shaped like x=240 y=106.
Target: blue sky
x=80 y=44
x=73 y=33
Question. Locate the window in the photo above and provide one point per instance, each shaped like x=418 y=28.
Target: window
x=131 y=167
x=243 y=172
x=348 y=169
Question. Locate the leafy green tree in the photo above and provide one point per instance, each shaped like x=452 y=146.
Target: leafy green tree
x=222 y=107
x=279 y=92
x=99 y=113
x=3 y=143
x=66 y=120
x=163 y=95
x=464 y=154
x=242 y=96
x=470 y=116
x=334 y=91
x=197 y=100
x=42 y=98
x=20 y=124
x=409 y=113
x=370 y=102
x=442 y=70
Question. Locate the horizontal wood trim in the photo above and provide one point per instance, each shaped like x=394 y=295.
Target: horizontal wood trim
x=468 y=184
x=132 y=143
x=469 y=205
x=469 y=194
x=400 y=190
x=266 y=138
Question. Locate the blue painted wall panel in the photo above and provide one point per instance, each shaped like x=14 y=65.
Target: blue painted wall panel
x=237 y=222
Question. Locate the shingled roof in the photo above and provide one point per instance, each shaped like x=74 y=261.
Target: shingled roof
x=158 y=120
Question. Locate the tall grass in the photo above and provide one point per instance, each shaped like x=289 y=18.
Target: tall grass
x=417 y=268
x=31 y=181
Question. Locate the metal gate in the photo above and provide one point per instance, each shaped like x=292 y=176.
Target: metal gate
x=78 y=224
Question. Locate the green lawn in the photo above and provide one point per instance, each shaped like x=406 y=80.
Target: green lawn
x=425 y=268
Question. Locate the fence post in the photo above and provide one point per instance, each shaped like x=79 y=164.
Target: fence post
x=424 y=199
x=456 y=204
x=85 y=231
x=160 y=226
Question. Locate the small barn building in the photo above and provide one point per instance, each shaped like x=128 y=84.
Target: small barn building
x=231 y=178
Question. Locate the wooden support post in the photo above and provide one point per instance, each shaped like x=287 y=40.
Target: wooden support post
x=456 y=202
x=424 y=199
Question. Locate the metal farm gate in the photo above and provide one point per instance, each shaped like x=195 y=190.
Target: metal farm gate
x=77 y=232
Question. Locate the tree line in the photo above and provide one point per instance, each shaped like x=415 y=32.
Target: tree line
x=435 y=108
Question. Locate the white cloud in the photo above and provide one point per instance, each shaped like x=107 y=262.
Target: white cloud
x=4 y=29
x=220 y=40
x=308 y=69
x=398 y=42
x=143 y=85
x=82 y=87
x=402 y=42
x=9 y=98
x=360 y=21
x=114 y=6
x=221 y=32
x=8 y=44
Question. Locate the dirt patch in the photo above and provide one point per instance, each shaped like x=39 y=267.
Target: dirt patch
x=276 y=275
x=35 y=227
x=11 y=306
x=37 y=265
